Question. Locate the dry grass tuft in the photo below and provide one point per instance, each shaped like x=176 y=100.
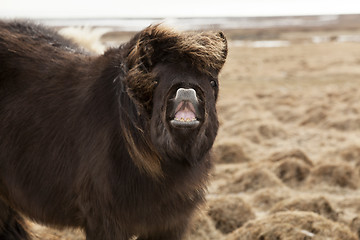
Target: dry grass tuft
x=202 y=228
x=319 y=205
x=292 y=171
x=229 y=212
x=292 y=226
x=230 y=151
x=252 y=180
x=334 y=175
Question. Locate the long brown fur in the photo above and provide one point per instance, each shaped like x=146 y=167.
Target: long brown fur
x=85 y=140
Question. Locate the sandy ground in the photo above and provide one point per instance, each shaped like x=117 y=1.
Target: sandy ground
x=288 y=150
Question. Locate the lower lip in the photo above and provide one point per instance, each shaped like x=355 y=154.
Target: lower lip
x=183 y=124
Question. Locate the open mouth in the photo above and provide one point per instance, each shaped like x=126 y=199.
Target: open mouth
x=185 y=116
x=186 y=108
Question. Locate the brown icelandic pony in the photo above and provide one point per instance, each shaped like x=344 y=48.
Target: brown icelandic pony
x=117 y=144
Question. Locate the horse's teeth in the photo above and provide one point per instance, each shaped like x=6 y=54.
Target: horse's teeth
x=185 y=119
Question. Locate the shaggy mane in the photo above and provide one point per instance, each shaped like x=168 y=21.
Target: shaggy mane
x=206 y=52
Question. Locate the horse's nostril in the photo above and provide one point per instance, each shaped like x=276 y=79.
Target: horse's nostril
x=183 y=94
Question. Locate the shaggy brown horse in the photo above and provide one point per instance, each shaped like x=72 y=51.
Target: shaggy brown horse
x=117 y=144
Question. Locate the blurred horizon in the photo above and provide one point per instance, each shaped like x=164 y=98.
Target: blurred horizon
x=113 y=9
x=135 y=24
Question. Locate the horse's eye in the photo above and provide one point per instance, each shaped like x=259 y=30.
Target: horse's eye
x=213 y=83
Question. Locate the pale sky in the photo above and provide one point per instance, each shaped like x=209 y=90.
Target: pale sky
x=168 y=8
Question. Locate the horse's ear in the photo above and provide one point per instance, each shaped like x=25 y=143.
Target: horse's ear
x=225 y=48
x=140 y=55
x=151 y=45
x=141 y=58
